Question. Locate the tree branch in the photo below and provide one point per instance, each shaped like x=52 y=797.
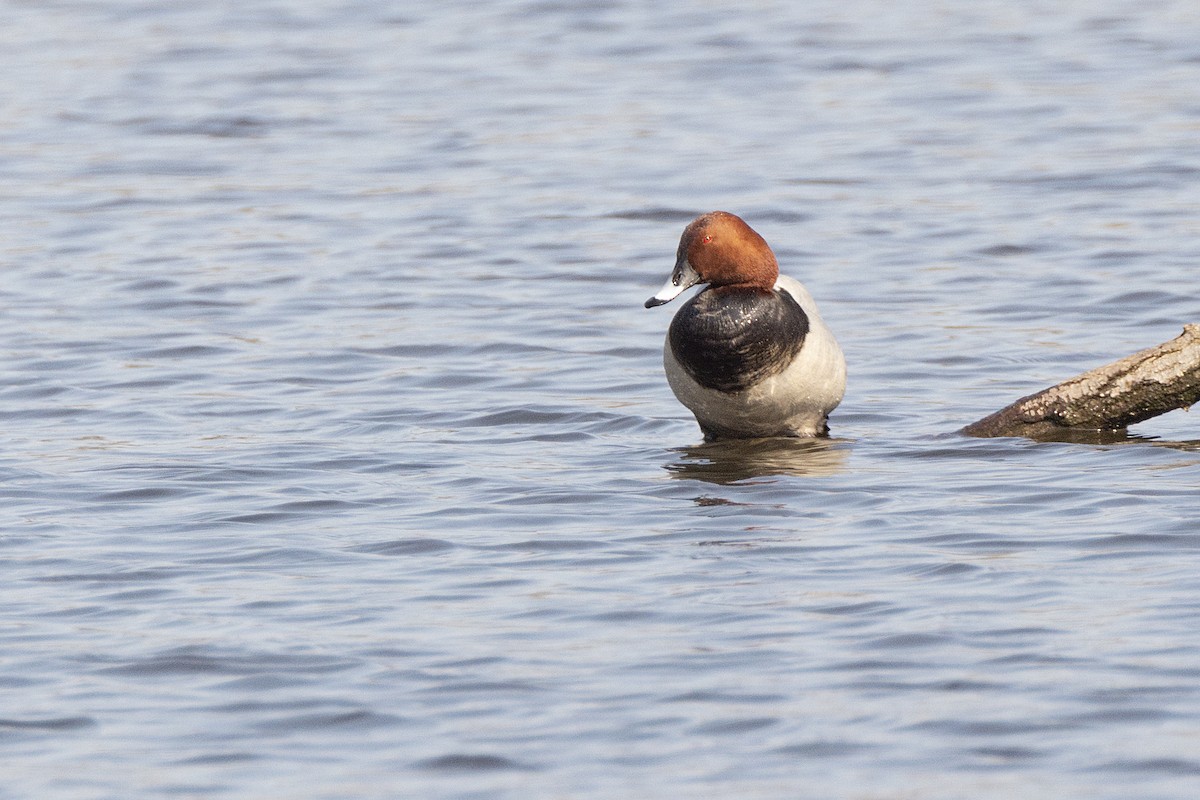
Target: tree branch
x=1108 y=398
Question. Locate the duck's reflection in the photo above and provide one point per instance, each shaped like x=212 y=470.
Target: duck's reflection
x=733 y=460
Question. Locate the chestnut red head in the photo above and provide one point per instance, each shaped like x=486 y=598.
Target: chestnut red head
x=719 y=249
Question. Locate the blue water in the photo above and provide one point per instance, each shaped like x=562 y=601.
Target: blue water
x=338 y=460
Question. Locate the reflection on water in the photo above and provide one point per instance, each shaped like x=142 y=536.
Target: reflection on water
x=1190 y=445
x=731 y=461
x=1088 y=436
x=1118 y=437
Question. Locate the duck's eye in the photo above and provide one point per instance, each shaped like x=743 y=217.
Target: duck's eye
x=707 y=238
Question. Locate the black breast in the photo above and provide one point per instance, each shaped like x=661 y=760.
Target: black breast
x=730 y=339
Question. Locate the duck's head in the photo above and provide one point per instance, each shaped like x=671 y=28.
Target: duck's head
x=719 y=249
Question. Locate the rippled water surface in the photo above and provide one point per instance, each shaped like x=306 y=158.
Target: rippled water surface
x=338 y=459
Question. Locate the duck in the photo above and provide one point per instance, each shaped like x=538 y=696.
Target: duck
x=749 y=355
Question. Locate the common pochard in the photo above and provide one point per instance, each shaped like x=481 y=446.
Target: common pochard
x=749 y=355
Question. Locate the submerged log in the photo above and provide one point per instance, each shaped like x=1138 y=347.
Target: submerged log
x=1108 y=398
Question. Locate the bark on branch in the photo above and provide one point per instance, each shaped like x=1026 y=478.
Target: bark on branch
x=1108 y=398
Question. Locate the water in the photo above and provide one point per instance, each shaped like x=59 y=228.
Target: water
x=338 y=459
